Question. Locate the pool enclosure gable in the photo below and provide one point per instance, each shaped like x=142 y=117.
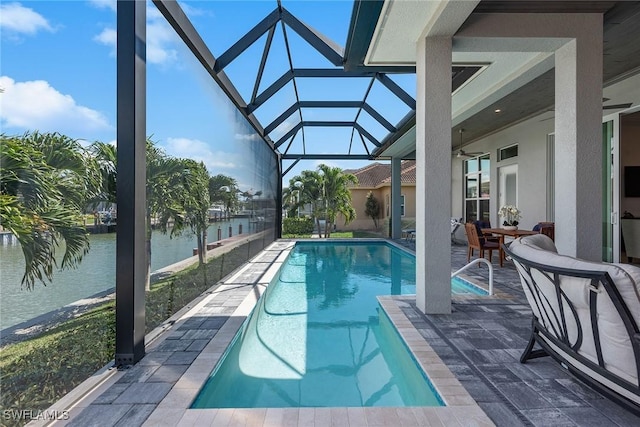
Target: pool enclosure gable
x=131 y=130
x=576 y=52
x=293 y=144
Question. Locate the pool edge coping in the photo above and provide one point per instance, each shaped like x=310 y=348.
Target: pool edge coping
x=460 y=407
x=174 y=408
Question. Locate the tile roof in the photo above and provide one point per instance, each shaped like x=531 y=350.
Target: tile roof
x=378 y=174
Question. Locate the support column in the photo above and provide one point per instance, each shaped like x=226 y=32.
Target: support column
x=578 y=145
x=433 y=175
x=279 y=213
x=396 y=192
x=131 y=265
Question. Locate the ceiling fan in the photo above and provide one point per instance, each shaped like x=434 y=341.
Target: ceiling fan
x=615 y=106
x=460 y=153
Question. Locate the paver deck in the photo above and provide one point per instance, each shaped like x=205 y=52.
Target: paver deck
x=472 y=356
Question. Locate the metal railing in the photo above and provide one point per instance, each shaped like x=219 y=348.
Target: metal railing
x=476 y=261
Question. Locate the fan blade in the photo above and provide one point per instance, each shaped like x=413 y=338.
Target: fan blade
x=617 y=106
x=461 y=153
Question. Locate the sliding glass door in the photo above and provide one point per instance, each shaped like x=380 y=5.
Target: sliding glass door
x=610 y=189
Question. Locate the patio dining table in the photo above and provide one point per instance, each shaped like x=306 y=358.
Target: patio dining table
x=501 y=233
x=511 y=233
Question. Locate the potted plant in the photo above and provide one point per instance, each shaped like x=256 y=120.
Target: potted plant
x=511 y=215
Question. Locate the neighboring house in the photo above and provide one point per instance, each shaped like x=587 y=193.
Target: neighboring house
x=376 y=177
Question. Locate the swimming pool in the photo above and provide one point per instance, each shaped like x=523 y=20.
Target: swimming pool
x=460 y=286
x=318 y=337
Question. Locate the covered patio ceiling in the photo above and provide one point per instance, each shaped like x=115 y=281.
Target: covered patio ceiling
x=513 y=85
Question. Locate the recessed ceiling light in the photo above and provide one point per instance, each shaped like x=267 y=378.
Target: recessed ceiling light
x=497 y=110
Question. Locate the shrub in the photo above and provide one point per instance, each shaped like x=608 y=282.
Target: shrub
x=297 y=226
x=372 y=208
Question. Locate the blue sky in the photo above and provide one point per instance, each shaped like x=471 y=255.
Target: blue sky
x=58 y=74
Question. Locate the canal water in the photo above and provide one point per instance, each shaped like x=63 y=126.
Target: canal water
x=96 y=273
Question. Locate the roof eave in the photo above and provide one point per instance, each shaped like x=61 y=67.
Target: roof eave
x=364 y=18
x=407 y=122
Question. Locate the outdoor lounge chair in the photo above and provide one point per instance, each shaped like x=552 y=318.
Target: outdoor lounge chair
x=409 y=234
x=585 y=315
x=455 y=224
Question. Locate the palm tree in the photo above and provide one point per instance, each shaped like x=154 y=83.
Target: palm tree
x=106 y=157
x=290 y=201
x=308 y=187
x=336 y=195
x=196 y=203
x=47 y=179
x=224 y=189
x=164 y=208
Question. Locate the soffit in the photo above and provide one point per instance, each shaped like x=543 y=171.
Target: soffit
x=402 y=23
x=523 y=84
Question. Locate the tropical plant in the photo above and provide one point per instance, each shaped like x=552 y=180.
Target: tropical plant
x=248 y=199
x=196 y=203
x=224 y=189
x=164 y=204
x=290 y=201
x=46 y=181
x=106 y=157
x=308 y=189
x=372 y=208
x=336 y=195
x=297 y=226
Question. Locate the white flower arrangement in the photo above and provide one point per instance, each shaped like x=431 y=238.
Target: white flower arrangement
x=511 y=215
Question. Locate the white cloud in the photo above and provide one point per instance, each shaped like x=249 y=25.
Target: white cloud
x=201 y=151
x=107 y=37
x=282 y=129
x=104 y=4
x=247 y=136
x=190 y=10
x=35 y=105
x=17 y=19
x=161 y=38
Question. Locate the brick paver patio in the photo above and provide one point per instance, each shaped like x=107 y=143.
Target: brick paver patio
x=480 y=343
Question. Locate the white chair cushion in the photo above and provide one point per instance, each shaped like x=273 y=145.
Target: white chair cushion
x=617 y=352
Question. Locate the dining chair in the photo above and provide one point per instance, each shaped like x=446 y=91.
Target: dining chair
x=546 y=228
x=482 y=224
x=481 y=244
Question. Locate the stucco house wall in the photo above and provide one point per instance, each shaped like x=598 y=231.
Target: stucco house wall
x=383 y=194
x=379 y=182
x=531 y=137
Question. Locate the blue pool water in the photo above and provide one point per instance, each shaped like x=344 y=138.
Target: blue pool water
x=460 y=286
x=318 y=337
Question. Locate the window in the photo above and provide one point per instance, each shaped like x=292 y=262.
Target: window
x=477 y=188
x=508 y=152
x=402 y=205
x=387 y=205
